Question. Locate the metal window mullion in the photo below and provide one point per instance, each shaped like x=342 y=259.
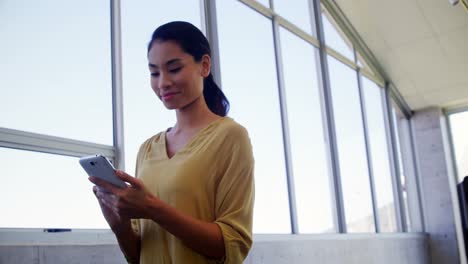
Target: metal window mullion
x=328 y=119
x=117 y=93
x=368 y=153
x=285 y=127
x=394 y=166
x=22 y=140
x=211 y=28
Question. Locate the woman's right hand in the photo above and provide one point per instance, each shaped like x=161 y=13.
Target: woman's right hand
x=115 y=221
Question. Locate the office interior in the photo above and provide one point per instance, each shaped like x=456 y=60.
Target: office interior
x=357 y=111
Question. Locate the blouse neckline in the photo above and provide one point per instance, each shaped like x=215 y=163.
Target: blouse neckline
x=193 y=139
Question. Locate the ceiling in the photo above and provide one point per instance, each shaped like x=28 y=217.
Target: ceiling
x=422 y=45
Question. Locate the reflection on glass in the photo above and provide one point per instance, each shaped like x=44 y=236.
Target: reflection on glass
x=379 y=155
x=249 y=81
x=459 y=131
x=334 y=39
x=57 y=193
x=308 y=151
x=351 y=148
x=144 y=113
x=55 y=68
x=296 y=11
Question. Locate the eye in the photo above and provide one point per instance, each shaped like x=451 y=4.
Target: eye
x=175 y=70
x=155 y=74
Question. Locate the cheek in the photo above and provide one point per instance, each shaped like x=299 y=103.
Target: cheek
x=195 y=82
x=154 y=86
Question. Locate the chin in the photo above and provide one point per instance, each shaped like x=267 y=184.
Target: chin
x=171 y=106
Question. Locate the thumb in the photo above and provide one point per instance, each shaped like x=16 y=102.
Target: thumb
x=127 y=178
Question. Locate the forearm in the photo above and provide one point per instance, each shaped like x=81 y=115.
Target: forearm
x=204 y=237
x=129 y=243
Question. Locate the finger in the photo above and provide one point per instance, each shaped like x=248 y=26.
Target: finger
x=108 y=199
x=127 y=178
x=107 y=205
x=103 y=184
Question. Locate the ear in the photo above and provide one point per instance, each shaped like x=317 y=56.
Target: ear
x=205 y=65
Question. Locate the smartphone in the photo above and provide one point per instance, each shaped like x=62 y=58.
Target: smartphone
x=100 y=167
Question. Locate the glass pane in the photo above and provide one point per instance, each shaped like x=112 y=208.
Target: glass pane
x=459 y=130
x=55 y=68
x=249 y=80
x=379 y=154
x=335 y=39
x=57 y=194
x=296 y=12
x=311 y=178
x=144 y=113
x=351 y=148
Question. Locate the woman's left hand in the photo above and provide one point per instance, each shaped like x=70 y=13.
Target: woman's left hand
x=132 y=202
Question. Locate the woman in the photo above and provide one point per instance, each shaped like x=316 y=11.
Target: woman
x=192 y=198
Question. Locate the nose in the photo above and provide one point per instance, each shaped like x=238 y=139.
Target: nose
x=164 y=81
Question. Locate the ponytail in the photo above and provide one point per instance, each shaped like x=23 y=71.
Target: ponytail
x=214 y=97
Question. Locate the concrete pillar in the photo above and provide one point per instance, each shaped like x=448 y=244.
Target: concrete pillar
x=437 y=185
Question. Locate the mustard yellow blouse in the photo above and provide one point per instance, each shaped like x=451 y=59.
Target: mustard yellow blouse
x=211 y=179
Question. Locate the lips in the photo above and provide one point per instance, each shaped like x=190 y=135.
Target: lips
x=168 y=96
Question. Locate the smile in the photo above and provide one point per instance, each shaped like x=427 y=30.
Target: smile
x=168 y=96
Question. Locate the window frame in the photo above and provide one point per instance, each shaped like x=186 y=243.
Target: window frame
x=22 y=140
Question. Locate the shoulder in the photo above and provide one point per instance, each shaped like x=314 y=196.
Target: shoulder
x=233 y=130
x=149 y=143
x=154 y=139
x=234 y=137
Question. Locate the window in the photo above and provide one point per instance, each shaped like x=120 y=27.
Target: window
x=55 y=70
x=144 y=113
x=459 y=130
x=311 y=178
x=405 y=171
x=46 y=191
x=351 y=148
x=335 y=39
x=249 y=81
x=380 y=156
x=296 y=11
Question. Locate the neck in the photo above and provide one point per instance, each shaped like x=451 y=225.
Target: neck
x=194 y=116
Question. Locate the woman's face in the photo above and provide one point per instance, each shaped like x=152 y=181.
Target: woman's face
x=175 y=76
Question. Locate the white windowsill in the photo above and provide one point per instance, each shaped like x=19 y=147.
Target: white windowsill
x=84 y=237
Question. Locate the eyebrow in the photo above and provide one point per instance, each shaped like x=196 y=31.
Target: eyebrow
x=169 y=62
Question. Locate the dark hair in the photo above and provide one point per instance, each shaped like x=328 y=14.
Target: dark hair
x=193 y=42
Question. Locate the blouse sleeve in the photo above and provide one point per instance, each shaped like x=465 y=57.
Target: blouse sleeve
x=235 y=196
